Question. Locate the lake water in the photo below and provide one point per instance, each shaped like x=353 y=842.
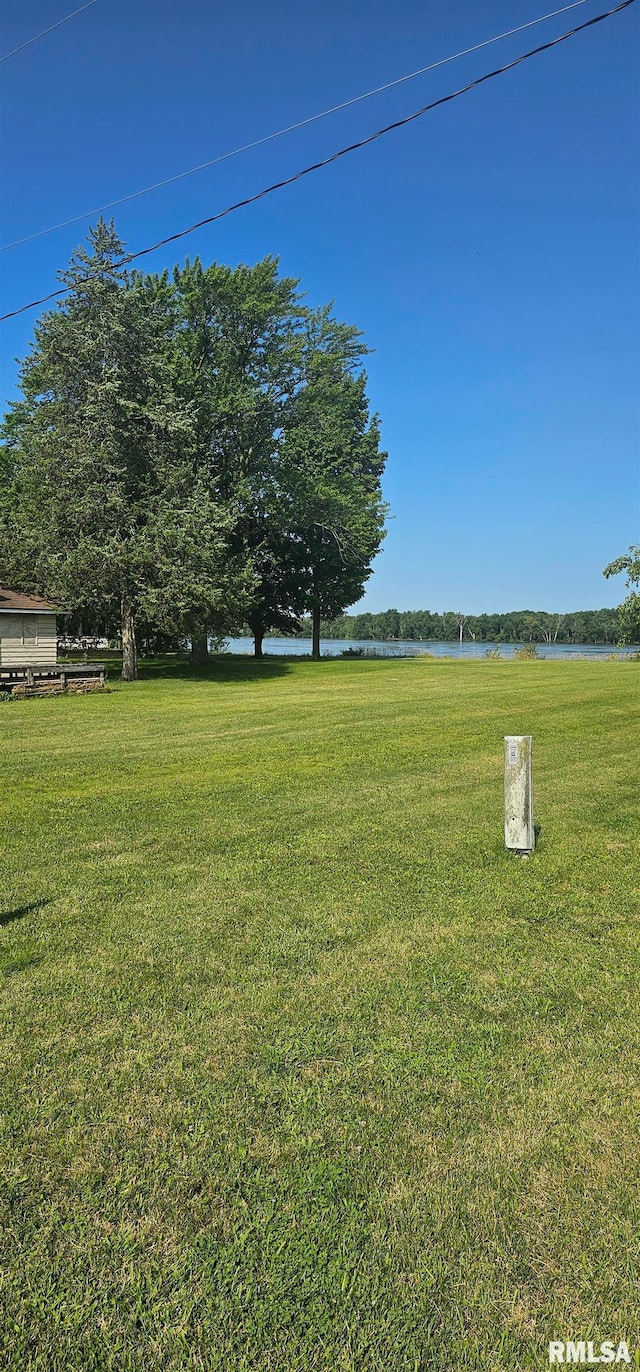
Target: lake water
x=333 y=647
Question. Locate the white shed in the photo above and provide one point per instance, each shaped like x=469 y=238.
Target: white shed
x=27 y=630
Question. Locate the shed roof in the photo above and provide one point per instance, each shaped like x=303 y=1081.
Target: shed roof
x=20 y=601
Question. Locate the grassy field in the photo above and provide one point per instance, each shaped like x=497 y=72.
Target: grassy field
x=302 y=1071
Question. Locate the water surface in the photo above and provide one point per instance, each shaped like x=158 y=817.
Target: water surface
x=333 y=647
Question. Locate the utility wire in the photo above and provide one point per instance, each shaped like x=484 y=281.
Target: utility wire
x=316 y=166
x=291 y=128
x=49 y=30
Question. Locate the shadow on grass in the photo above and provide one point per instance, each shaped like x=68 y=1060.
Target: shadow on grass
x=19 y=964
x=8 y=916
x=220 y=667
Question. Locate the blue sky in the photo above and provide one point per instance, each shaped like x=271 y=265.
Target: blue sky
x=488 y=251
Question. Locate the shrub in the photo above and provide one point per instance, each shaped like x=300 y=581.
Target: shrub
x=526 y=652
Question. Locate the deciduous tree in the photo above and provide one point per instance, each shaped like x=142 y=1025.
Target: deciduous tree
x=240 y=343
x=629 y=610
x=333 y=464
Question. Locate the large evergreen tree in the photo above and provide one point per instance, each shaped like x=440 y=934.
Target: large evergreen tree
x=103 y=504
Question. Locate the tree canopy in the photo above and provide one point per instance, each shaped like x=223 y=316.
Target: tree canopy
x=191 y=452
x=332 y=465
x=629 y=610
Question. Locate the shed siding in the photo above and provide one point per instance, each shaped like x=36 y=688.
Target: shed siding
x=28 y=640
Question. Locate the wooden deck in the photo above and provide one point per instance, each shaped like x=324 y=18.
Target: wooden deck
x=32 y=679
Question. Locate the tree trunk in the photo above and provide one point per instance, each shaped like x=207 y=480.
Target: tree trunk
x=129 y=650
x=199 y=649
x=256 y=624
x=315 y=643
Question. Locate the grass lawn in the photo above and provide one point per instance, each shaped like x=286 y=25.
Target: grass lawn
x=302 y=1070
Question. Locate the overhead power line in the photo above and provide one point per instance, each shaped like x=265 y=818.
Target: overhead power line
x=44 y=33
x=290 y=128
x=353 y=147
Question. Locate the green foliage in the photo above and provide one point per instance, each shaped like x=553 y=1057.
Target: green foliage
x=104 y=509
x=629 y=610
x=189 y=453
x=239 y=349
x=333 y=463
x=300 y=1072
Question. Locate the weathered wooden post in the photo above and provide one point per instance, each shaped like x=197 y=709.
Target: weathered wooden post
x=519 y=832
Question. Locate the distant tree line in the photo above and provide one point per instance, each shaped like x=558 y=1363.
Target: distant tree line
x=518 y=626
x=190 y=453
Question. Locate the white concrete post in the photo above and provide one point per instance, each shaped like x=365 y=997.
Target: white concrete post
x=519 y=832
